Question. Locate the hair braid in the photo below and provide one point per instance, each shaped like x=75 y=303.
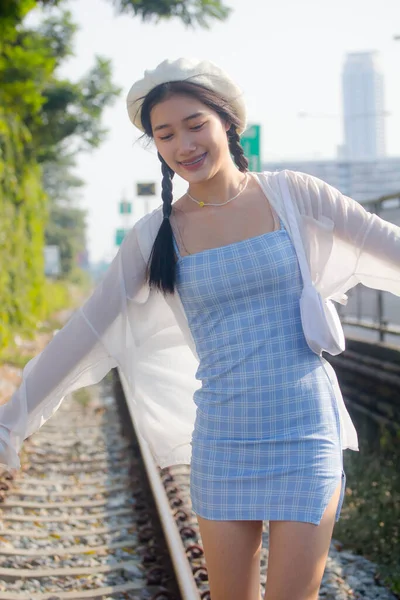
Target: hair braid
x=236 y=150
x=166 y=193
x=161 y=271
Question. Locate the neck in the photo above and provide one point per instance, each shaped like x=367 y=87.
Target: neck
x=219 y=188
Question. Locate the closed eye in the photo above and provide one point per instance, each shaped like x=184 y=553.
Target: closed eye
x=197 y=127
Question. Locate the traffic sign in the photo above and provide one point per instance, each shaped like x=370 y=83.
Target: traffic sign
x=251 y=144
x=146 y=189
x=125 y=208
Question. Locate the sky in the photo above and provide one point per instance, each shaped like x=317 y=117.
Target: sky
x=287 y=56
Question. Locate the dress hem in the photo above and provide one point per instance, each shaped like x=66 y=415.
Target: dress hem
x=301 y=517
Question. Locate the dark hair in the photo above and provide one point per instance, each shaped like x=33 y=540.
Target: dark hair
x=161 y=271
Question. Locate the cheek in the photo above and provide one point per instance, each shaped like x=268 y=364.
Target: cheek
x=220 y=143
x=213 y=141
x=218 y=135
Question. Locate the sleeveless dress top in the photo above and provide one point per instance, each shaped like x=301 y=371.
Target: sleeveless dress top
x=266 y=440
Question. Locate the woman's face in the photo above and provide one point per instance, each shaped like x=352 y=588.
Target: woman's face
x=190 y=137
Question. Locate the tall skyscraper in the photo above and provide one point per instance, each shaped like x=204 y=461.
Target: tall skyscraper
x=363 y=107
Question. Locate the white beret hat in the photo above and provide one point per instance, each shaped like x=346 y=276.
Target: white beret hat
x=203 y=72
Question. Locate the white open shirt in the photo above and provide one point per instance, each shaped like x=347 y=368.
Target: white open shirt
x=146 y=335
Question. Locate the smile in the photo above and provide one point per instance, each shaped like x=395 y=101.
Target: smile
x=194 y=162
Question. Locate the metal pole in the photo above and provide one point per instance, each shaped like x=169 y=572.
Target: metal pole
x=359 y=303
x=380 y=316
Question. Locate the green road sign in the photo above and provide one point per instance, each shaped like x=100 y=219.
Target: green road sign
x=125 y=208
x=146 y=189
x=250 y=141
x=119 y=236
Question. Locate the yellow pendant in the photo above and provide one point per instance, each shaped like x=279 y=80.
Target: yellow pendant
x=202 y=204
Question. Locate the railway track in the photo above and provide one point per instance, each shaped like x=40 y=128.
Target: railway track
x=90 y=516
x=82 y=519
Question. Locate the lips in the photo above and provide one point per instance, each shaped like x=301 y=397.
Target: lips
x=194 y=161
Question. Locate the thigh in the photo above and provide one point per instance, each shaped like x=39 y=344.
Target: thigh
x=297 y=555
x=232 y=552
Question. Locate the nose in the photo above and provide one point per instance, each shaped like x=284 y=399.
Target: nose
x=186 y=143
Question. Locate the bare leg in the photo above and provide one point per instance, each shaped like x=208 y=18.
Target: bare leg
x=297 y=555
x=232 y=552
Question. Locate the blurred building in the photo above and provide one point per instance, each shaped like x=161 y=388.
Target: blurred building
x=361 y=180
x=363 y=107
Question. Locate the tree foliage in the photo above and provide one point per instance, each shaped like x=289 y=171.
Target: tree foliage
x=190 y=12
x=61 y=184
x=70 y=117
x=67 y=230
x=67 y=226
x=23 y=216
x=42 y=120
x=45 y=121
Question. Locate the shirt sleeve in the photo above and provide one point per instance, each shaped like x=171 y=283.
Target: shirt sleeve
x=375 y=241
x=80 y=354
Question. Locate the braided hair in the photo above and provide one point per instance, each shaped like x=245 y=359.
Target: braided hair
x=161 y=268
x=236 y=150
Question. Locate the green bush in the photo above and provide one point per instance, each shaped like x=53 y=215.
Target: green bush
x=23 y=215
x=370 y=520
x=57 y=296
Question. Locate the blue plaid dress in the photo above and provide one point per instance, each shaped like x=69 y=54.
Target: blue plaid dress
x=266 y=442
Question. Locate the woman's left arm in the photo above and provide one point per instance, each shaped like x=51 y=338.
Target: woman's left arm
x=375 y=242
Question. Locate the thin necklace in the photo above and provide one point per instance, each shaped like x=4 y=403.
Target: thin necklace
x=201 y=203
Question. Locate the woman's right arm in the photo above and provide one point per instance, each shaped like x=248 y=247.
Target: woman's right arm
x=80 y=354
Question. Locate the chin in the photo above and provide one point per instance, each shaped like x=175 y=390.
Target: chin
x=197 y=177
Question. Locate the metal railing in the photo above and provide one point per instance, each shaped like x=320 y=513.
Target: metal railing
x=382 y=326
x=378 y=322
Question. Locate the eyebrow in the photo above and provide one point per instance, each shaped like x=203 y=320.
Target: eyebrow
x=193 y=116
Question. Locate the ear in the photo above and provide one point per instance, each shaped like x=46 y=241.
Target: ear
x=228 y=125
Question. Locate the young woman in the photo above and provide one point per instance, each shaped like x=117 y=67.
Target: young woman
x=209 y=298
